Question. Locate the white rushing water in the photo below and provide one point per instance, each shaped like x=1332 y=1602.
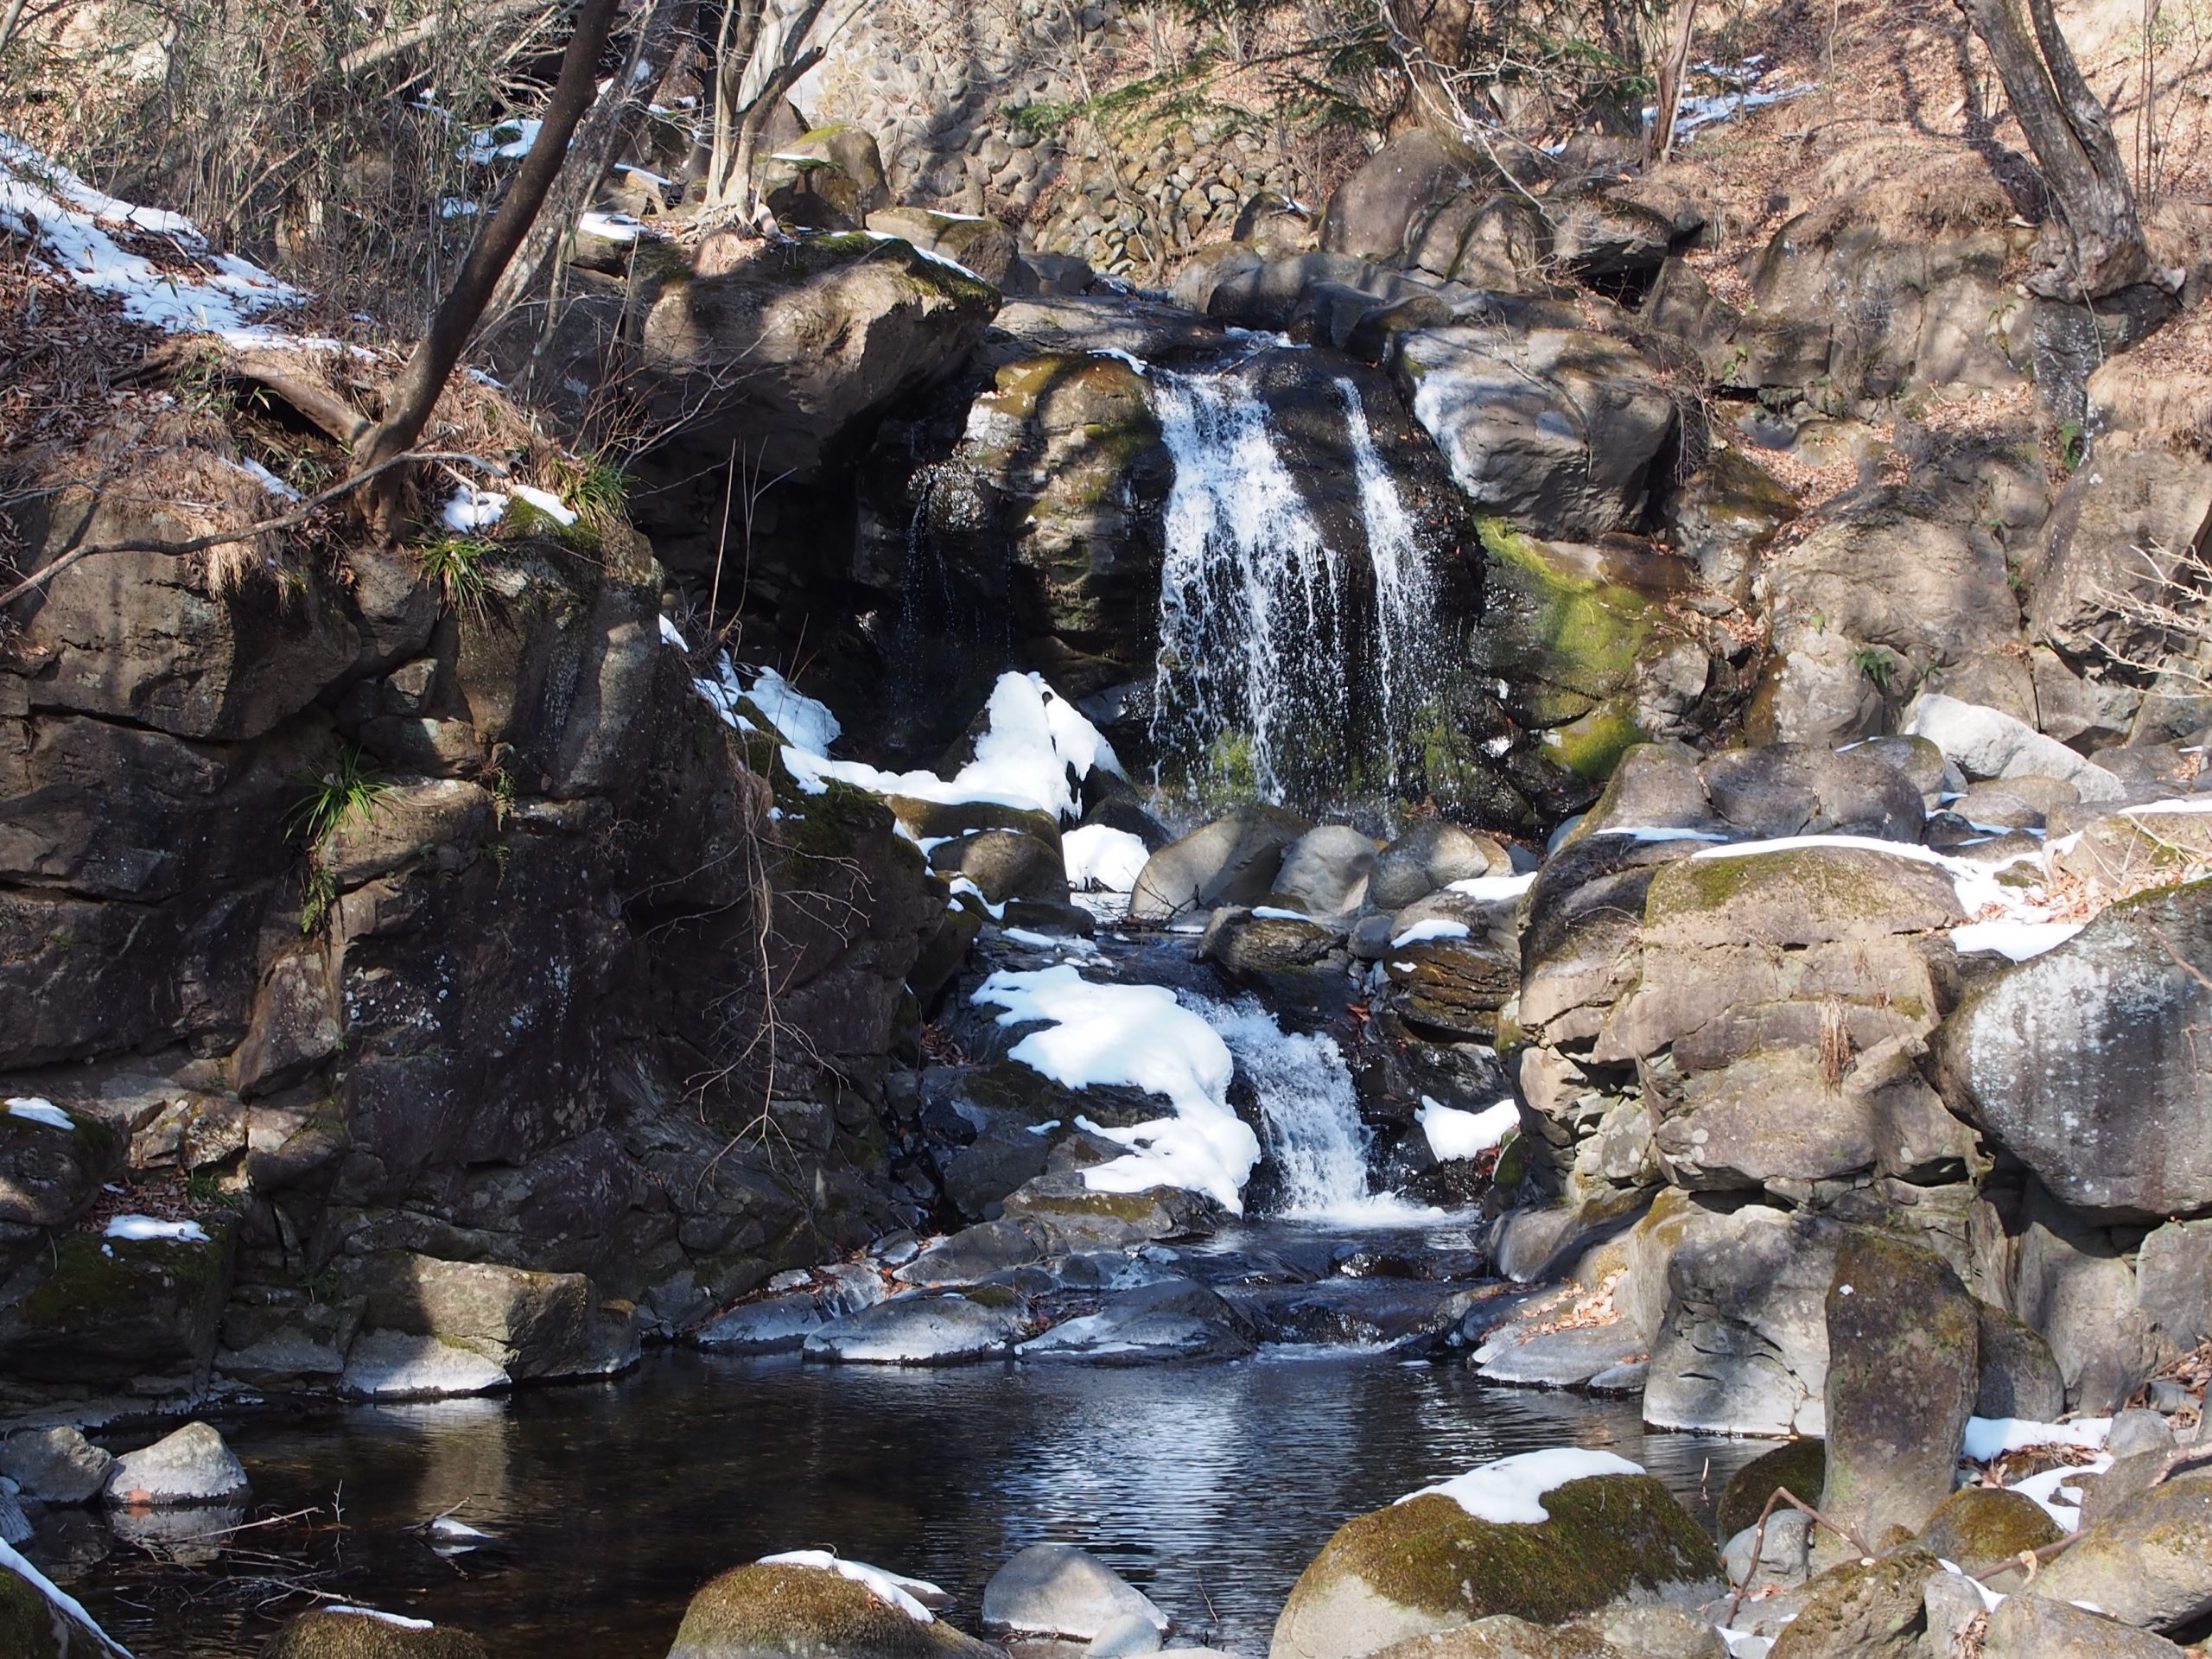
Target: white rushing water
x=1286 y=665
x=1405 y=585
x=1309 y=1114
x=1249 y=625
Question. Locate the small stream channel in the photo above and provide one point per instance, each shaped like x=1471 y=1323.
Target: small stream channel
x=1209 y=1486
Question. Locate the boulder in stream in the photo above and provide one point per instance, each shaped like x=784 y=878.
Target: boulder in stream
x=1544 y=1535
x=1057 y=1590
x=364 y=1633
x=192 y=1466
x=927 y=1327
x=54 y=1465
x=816 y=1606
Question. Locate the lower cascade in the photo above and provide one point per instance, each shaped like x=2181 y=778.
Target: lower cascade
x=1309 y=1116
x=1286 y=668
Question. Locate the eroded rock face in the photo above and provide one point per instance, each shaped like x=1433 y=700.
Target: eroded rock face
x=1554 y=429
x=1427 y=1564
x=2078 y=1060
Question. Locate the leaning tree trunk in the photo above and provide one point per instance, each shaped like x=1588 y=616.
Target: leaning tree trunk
x=408 y=405
x=613 y=121
x=2070 y=132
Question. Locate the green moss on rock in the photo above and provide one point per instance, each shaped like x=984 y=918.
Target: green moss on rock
x=1579 y=633
x=1801 y=1465
x=326 y=1635
x=781 y=1612
x=1981 y=1526
x=1432 y=1566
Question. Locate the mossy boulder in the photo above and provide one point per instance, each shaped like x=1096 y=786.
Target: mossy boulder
x=1503 y=1636
x=779 y=1611
x=1572 y=632
x=1980 y=1527
x=1426 y=1564
x=1904 y=1366
x=985 y=247
x=2147 y=1561
x=1865 y=1609
x=33 y=1627
x=1799 y=1466
x=358 y=1633
x=1796 y=896
x=50 y=1175
x=102 y=1311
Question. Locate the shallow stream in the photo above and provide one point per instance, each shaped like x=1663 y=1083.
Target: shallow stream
x=1209 y=1486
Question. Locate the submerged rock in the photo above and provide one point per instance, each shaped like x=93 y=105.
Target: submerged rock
x=192 y=1466
x=774 y=1610
x=364 y=1633
x=1427 y=1564
x=1058 y=1589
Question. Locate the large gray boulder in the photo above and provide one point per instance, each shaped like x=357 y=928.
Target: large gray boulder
x=1989 y=743
x=2027 y=1626
x=1430 y=855
x=2147 y=1563
x=1427 y=1564
x=1326 y=870
x=2084 y=1064
x=192 y=1466
x=1556 y=428
x=1232 y=861
x=788 y=346
x=1057 y=1590
x=54 y=1465
x=1377 y=212
x=932 y=1327
x=1742 y=1347
x=527 y=1324
x=1902 y=1374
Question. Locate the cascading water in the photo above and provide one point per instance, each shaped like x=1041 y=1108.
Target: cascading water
x=1289 y=667
x=1309 y=1116
x=1405 y=589
x=1251 y=630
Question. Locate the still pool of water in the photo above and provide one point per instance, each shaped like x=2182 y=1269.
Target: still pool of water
x=1209 y=1486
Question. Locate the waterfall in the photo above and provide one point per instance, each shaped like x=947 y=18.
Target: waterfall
x=1309 y=1114
x=1405 y=588
x=1250 y=605
x=1286 y=668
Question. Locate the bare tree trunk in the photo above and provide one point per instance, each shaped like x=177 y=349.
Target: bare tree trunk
x=613 y=121
x=738 y=120
x=1674 y=70
x=2070 y=132
x=408 y=405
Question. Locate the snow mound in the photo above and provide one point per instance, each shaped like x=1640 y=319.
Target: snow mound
x=1138 y=1036
x=1453 y=1134
x=1106 y=858
x=37 y=1108
x=1434 y=928
x=143 y=1228
x=1510 y=1492
x=1993 y=1437
x=192 y=289
x=887 y=1587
